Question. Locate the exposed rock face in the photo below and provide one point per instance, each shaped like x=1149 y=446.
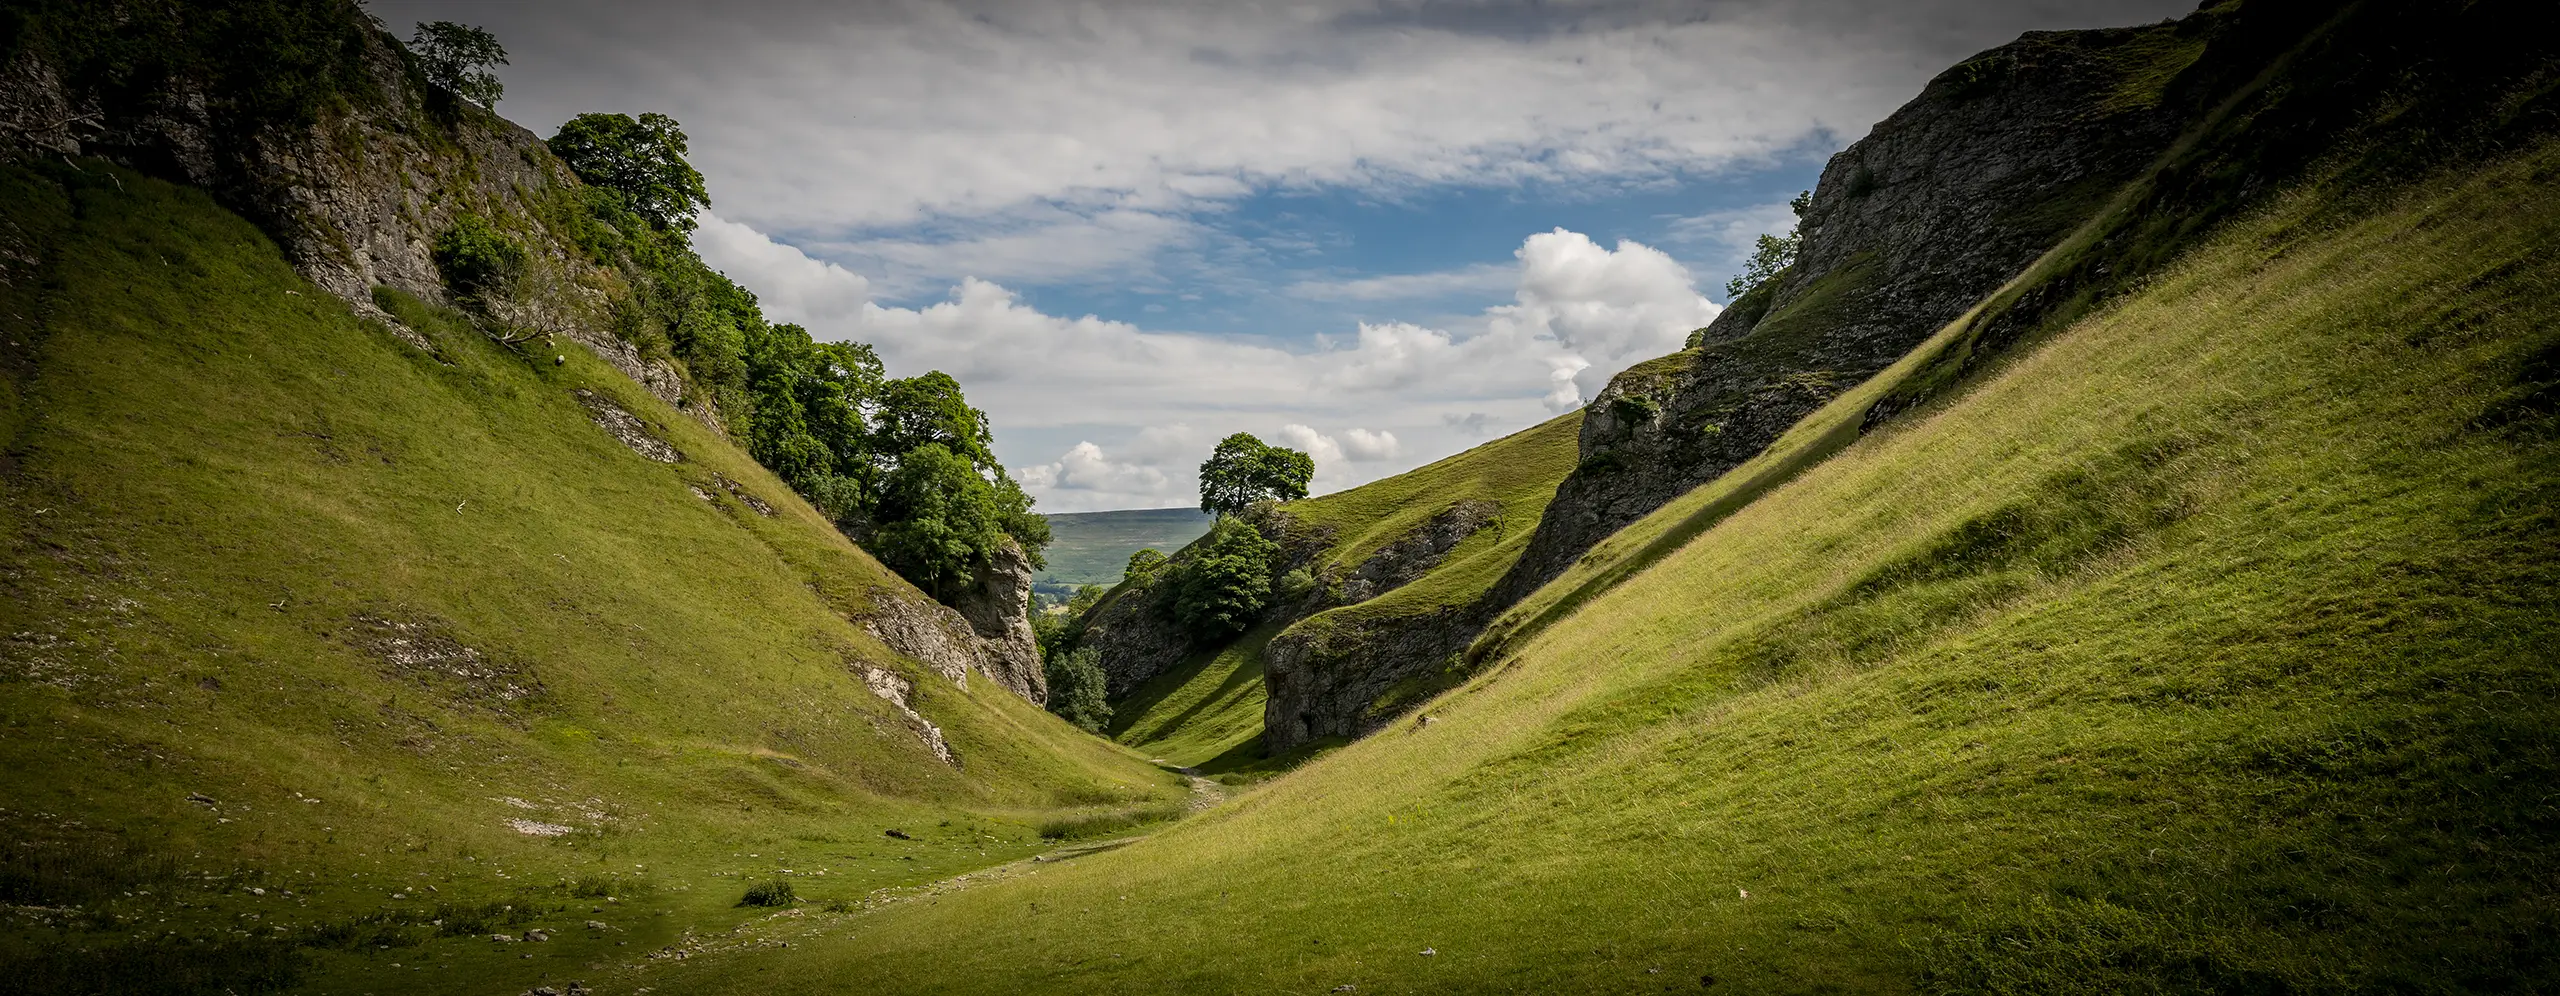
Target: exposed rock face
x=1944 y=201
x=997 y=607
x=1133 y=628
x=988 y=632
x=895 y=689
x=1332 y=675
x=925 y=630
x=356 y=199
x=628 y=429
x=1412 y=555
x=1342 y=680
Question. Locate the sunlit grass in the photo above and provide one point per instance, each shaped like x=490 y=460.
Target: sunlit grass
x=218 y=479
x=2204 y=648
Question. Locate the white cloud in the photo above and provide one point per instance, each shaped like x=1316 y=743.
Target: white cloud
x=1327 y=453
x=1362 y=444
x=1607 y=308
x=1105 y=483
x=1581 y=312
x=1043 y=122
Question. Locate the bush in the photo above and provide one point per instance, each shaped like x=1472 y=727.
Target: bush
x=1076 y=685
x=1220 y=590
x=1296 y=585
x=1143 y=565
x=773 y=893
x=477 y=259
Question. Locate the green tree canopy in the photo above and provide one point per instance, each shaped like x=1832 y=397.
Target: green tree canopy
x=1221 y=588
x=929 y=410
x=938 y=518
x=1244 y=470
x=1772 y=254
x=1076 y=686
x=461 y=59
x=1143 y=564
x=642 y=160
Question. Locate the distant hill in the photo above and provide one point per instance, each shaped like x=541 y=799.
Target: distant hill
x=1092 y=547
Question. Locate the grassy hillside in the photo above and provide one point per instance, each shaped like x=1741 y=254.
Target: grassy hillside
x=326 y=652
x=1093 y=547
x=1208 y=712
x=2203 y=648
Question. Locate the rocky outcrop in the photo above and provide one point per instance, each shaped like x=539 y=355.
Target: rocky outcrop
x=1944 y=201
x=1408 y=557
x=988 y=632
x=1347 y=677
x=996 y=606
x=925 y=630
x=1339 y=674
x=355 y=197
x=895 y=689
x=1133 y=630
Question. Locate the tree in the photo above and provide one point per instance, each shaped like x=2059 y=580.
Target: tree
x=1143 y=565
x=459 y=58
x=939 y=518
x=1076 y=686
x=929 y=410
x=642 y=160
x=476 y=258
x=1221 y=588
x=1244 y=470
x=1772 y=254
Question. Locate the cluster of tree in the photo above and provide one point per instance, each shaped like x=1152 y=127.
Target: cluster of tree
x=1218 y=587
x=1773 y=253
x=905 y=465
x=1077 y=687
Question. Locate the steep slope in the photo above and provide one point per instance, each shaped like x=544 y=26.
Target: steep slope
x=327 y=650
x=1404 y=554
x=2201 y=647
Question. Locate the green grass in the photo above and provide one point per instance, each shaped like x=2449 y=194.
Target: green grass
x=221 y=488
x=2203 y=648
x=1094 y=547
x=1207 y=712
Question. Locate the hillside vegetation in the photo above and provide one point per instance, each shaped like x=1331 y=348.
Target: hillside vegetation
x=326 y=652
x=1208 y=712
x=2202 y=647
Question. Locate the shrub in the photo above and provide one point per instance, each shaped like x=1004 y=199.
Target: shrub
x=1143 y=565
x=1296 y=585
x=476 y=258
x=1076 y=685
x=773 y=893
x=1220 y=589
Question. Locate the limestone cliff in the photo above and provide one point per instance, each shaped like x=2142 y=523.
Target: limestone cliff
x=1952 y=195
x=355 y=191
x=357 y=168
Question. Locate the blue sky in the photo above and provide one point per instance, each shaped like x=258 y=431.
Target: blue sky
x=1381 y=231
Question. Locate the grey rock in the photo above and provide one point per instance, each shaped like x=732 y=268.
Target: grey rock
x=626 y=428
x=1944 y=201
x=997 y=606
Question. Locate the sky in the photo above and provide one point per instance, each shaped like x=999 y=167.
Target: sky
x=1380 y=231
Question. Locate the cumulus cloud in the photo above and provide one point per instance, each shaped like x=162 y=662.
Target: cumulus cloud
x=1607 y=308
x=1102 y=481
x=1362 y=444
x=1580 y=312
